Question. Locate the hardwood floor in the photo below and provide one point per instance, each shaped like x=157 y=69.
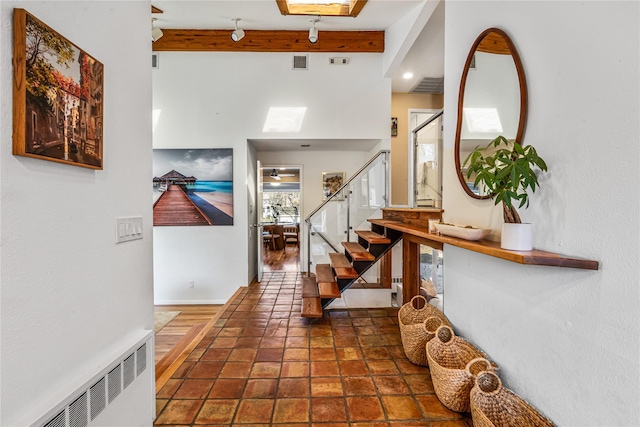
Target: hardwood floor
x=279 y=260
x=190 y=315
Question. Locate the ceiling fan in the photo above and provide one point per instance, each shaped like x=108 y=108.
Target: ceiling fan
x=275 y=175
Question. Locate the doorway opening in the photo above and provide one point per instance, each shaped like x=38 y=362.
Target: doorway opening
x=281 y=212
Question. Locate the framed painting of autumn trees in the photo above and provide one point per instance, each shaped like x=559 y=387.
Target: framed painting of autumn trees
x=57 y=96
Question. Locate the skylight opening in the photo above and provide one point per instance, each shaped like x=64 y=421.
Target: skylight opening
x=322 y=2
x=156 y=118
x=483 y=120
x=284 y=119
x=321 y=7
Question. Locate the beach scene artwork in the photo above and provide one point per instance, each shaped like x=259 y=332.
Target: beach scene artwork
x=193 y=187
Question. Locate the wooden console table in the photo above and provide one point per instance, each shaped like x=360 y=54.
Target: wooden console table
x=412 y=223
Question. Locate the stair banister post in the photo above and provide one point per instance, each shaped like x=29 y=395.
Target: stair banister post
x=386 y=178
x=308 y=221
x=348 y=213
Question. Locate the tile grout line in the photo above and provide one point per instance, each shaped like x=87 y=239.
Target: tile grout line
x=384 y=392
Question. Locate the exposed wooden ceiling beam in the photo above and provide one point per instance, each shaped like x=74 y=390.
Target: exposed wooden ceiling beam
x=283 y=6
x=356 y=6
x=270 y=41
x=156 y=10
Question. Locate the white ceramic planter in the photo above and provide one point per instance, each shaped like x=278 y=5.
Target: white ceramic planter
x=517 y=237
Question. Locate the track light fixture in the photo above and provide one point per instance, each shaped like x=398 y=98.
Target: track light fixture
x=156 y=32
x=238 y=33
x=313 y=31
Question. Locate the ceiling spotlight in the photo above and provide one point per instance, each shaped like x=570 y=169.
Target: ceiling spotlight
x=238 y=33
x=313 y=31
x=407 y=75
x=156 y=32
x=274 y=175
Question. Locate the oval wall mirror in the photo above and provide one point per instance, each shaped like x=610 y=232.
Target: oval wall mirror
x=492 y=100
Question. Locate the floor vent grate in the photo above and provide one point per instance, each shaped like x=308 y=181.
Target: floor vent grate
x=98 y=396
x=115 y=382
x=129 y=370
x=81 y=408
x=141 y=356
x=78 y=412
x=57 y=421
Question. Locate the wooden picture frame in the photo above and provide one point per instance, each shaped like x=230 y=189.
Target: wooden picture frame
x=331 y=182
x=58 y=99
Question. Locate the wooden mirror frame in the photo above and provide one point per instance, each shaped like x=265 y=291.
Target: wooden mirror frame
x=463 y=82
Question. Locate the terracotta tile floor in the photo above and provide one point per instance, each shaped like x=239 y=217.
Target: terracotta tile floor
x=262 y=364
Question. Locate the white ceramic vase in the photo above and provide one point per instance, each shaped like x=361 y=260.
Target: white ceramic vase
x=517 y=237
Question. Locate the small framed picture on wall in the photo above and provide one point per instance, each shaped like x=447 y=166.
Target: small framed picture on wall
x=394 y=126
x=331 y=182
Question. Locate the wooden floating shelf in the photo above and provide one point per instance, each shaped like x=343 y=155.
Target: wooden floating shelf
x=487 y=247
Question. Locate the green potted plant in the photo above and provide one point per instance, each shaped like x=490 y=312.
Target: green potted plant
x=507 y=170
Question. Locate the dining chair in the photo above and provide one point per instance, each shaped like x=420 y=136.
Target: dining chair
x=268 y=236
x=292 y=234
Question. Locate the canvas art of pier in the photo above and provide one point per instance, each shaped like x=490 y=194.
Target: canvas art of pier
x=182 y=199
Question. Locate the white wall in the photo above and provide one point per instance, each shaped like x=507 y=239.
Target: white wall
x=567 y=340
x=70 y=295
x=211 y=100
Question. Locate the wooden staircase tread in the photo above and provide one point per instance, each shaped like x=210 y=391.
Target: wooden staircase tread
x=342 y=266
x=373 y=237
x=324 y=274
x=310 y=288
x=357 y=252
x=346 y=273
x=383 y=222
x=339 y=260
x=329 y=290
x=311 y=307
x=367 y=285
x=327 y=286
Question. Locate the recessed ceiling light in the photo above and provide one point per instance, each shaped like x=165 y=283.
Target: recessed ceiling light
x=407 y=75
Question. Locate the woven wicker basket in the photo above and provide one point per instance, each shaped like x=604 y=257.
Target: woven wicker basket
x=412 y=328
x=492 y=405
x=453 y=363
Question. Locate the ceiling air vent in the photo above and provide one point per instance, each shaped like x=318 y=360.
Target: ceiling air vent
x=430 y=85
x=301 y=62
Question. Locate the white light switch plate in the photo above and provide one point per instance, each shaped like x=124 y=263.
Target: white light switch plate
x=128 y=228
